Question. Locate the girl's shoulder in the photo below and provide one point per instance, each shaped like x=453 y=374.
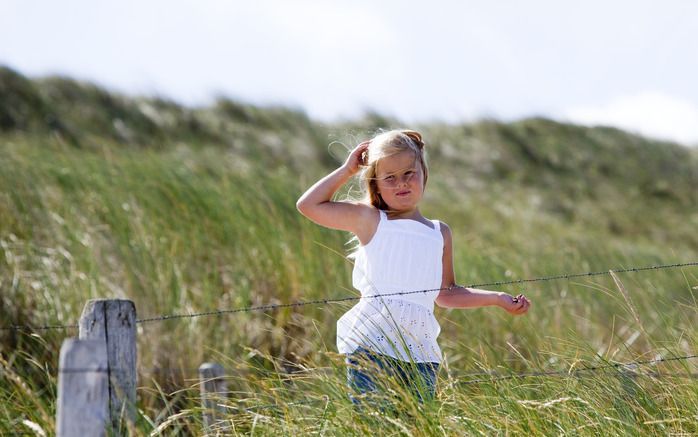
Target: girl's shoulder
x=367 y=210
x=368 y=218
x=443 y=228
x=445 y=232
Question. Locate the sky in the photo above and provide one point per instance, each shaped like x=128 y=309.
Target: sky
x=629 y=64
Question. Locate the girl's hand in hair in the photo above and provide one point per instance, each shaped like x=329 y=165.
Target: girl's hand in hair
x=357 y=158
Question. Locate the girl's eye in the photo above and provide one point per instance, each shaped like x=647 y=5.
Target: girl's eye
x=389 y=178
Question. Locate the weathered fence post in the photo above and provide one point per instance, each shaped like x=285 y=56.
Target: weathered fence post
x=83 y=394
x=213 y=392
x=113 y=322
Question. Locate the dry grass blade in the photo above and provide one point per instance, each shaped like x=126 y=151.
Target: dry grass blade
x=169 y=421
x=628 y=300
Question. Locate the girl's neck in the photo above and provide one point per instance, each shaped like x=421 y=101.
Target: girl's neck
x=413 y=214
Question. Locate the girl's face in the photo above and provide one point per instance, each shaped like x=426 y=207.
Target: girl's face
x=400 y=181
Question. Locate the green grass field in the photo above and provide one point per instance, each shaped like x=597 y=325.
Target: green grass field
x=195 y=211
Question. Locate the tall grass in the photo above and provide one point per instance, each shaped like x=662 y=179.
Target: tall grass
x=193 y=228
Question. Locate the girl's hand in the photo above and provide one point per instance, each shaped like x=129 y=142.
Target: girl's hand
x=357 y=158
x=515 y=305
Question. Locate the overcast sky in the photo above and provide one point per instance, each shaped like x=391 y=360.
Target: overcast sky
x=630 y=64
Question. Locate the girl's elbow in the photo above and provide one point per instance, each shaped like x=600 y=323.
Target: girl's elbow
x=308 y=209
x=445 y=297
x=442 y=302
x=303 y=206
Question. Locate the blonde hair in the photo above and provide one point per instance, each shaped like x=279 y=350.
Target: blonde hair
x=382 y=146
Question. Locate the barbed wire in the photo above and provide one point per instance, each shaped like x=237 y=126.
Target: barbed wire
x=254 y=408
x=627 y=366
x=38 y=328
x=404 y=293
x=271 y=307
x=623 y=366
x=88 y=370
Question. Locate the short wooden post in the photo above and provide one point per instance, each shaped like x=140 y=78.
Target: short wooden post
x=213 y=393
x=113 y=322
x=83 y=393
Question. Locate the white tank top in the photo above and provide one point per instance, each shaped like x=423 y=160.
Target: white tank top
x=403 y=255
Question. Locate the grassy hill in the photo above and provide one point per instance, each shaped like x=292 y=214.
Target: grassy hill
x=193 y=209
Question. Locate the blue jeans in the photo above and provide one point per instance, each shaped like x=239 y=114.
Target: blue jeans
x=368 y=370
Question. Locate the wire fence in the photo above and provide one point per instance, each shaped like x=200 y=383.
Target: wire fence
x=273 y=307
x=628 y=370
x=630 y=367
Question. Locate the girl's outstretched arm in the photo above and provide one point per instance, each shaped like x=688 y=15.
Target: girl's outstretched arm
x=456 y=296
x=317 y=204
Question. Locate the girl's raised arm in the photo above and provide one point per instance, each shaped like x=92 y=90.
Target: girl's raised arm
x=317 y=204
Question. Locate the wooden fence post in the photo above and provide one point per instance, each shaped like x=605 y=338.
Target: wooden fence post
x=113 y=322
x=213 y=392
x=83 y=394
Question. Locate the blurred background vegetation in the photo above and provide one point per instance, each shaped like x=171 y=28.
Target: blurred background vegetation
x=193 y=209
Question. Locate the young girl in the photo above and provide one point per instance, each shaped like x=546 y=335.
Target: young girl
x=403 y=264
